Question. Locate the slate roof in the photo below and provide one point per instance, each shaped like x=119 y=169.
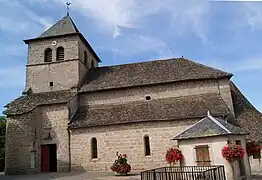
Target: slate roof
x=209 y=127
x=147 y=73
x=154 y=110
x=25 y=104
x=247 y=116
x=62 y=27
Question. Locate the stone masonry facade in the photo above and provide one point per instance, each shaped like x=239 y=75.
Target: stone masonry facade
x=127 y=139
x=67 y=74
x=26 y=133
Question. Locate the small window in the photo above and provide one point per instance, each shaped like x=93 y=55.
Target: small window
x=92 y=64
x=257 y=156
x=33 y=159
x=94 y=148
x=147 y=146
x=60 y=54
x=202 y=155
x=48 y=55
x=238 y=142
x=148 y=98
x=85 y=58
x=51 y=84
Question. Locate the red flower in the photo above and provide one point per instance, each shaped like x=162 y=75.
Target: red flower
x=233 y=152
x=173 y=155
x=253 y=148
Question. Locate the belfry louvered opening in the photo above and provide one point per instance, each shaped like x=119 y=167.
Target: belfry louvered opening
x=60 y=54
x=48 y=55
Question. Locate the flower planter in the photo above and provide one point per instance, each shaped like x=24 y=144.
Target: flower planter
x=120 y=173
x=233 y=152
x=120 y=166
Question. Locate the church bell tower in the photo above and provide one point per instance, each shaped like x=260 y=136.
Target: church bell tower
x=58 y=59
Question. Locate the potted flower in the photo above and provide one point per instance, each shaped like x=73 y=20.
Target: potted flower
x=173 y=155
x=254 y=149
x=120 y=166
x=233 y=152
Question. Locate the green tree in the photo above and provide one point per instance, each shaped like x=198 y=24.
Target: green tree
x=2 y=136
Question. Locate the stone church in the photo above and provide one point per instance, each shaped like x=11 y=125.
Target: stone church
x=74 y=114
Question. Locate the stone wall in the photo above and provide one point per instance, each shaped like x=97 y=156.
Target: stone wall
x=27 y=132
x=256 y=165
x=127 y=138
x=19 y=141
x=54 y=119
x=90 y=56
x=225 y=92
x=159 y=91
x=64 y=76
x=36 y=49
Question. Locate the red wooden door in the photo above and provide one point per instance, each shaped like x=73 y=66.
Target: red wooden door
x=44 y=158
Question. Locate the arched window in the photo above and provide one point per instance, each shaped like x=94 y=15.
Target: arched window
x=147 y=146
x=48 y=55
x=92 y=64
x=94 y=148
x=85 y=58
x=60 y=54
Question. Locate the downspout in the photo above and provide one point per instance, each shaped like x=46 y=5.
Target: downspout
x=69 y=150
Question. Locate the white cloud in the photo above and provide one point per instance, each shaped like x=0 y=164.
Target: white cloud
x=186 y=16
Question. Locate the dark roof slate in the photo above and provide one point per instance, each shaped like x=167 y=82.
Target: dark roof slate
x=208 y=127
x=147 y=73
x=247 y=116
x=25 y=104
x=154 y=110
x=62 y=27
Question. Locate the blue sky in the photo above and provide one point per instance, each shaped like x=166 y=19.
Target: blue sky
x=225 y=35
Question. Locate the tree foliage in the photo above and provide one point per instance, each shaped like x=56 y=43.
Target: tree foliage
x=2 y=136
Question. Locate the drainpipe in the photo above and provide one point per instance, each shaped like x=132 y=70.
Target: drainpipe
x=69 y=150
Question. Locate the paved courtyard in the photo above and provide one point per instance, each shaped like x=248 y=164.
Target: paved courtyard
x=74 y=176
x=80 y=176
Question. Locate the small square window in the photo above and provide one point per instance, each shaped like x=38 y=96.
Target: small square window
x=51 y=84
x=257 y=156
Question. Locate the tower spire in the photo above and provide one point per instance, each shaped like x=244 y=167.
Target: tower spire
x=68 y=7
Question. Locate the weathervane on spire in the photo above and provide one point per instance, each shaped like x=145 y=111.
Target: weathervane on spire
x=68 y=4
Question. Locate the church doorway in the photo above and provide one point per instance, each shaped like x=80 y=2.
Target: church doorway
x=48 y=158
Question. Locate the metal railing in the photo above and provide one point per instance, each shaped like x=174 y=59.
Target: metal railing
x=185 y=173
